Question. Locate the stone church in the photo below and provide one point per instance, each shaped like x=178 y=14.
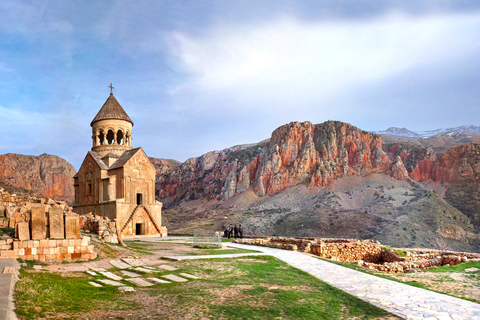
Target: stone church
x=116 y=180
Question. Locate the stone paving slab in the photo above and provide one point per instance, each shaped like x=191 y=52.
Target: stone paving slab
x=174 y=278
x=140 y=282
x=188 y=275
x=168 y=267
x=37 y=267
x=111 y=282
x=158 y=280
x=133 y=262
x=398 y=298
x=213 y=256
x=126 y=289
x=144 y=270
x=10 y=270
x=98 y=285
x=120 y=264
x=97 y=269
x=92 y=273
x=130 y=274
x=110 y=275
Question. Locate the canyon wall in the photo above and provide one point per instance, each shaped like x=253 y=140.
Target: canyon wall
x=48 y=175
x=313 y=154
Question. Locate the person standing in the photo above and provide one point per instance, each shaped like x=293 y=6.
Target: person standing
x=229 y=231
x=235 y=231
x=240 y=231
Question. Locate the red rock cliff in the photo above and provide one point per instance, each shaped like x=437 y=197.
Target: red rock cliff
x=295 y=153
x=48 y=175
x=458 y=163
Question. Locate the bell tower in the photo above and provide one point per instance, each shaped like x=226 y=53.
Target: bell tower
x=111 y=130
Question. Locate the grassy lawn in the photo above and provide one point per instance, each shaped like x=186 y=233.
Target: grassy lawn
x=40 y=295
x=243 y=288
x=208 y=251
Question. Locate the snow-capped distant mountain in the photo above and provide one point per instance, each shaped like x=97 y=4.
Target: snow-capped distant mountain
x=404 y=132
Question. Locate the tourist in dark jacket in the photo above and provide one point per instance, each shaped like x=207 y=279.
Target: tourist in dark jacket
x=240 y=231
x=235 y=231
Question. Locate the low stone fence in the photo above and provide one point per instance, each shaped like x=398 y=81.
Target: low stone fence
x=48 y=250
x=367 y=253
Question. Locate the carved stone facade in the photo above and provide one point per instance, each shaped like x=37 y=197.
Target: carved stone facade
x=116 y=180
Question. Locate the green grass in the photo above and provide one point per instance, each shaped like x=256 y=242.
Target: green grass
x=261 y=288
x=141 y=247
x=255 y=288
x=42 y=294
x=458 y=268
x=206 y=251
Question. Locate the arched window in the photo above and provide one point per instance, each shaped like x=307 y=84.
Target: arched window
x=110 y=137
x=120 y=137
x=101 y=138
x=127 y=139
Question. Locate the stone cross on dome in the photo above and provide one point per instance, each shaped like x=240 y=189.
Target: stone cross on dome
x=111 y=87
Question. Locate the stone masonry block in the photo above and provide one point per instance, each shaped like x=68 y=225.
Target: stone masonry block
x=43 y=243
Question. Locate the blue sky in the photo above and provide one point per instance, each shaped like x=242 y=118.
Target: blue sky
x=197 y=76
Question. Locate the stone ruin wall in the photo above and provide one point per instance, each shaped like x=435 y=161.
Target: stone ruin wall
x=45 y=230
x=367 y=253
x=102 y=226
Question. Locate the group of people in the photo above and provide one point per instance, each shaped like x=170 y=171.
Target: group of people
x=234 y=231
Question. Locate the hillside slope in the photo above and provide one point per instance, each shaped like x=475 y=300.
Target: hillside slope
x=48 y=175
x=328 y=179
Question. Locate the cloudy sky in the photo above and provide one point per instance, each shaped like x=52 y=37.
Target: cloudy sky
x=197 y=76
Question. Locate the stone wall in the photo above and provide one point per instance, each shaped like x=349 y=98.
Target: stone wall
x=45 y=230
x=48 y=250
x=367 y=253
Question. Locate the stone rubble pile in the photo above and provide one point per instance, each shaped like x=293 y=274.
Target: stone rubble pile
x=367 y=253
x=103 y=226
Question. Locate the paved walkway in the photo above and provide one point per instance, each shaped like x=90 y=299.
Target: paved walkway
x=400 y=299
x=7 y=282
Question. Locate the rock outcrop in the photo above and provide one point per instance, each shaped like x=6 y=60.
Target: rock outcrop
x=458 y=163
x=314 y=154
x=48 y=175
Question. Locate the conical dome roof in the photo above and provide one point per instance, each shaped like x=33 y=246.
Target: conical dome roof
x=111 y=109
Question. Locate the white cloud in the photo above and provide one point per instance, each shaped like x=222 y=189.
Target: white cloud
x=292 y=59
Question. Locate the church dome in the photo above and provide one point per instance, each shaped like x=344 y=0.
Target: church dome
x=111 y=109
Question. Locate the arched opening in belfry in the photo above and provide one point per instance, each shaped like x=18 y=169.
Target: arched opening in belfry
x=120 y=137
x=127 y=139
x=110 y=137
x=101 y=138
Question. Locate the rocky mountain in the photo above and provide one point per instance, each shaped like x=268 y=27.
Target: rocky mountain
x=404 y=132
x=329 y=179
x=312 y=154
x=47 y=175
x=439 y=140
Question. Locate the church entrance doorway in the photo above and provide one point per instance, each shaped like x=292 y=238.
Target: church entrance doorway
x=139 y=229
